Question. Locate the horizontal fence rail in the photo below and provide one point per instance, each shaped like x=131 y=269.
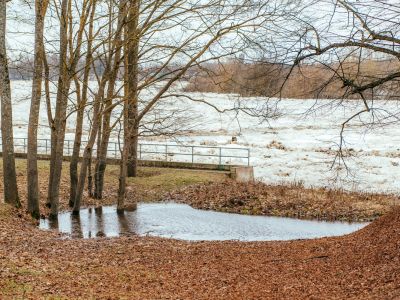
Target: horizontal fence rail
x=154 y=152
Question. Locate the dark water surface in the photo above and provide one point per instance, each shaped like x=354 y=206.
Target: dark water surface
x=180 y=221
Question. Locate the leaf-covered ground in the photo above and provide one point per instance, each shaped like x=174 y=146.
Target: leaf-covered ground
x=286 y=200
x=35 y=264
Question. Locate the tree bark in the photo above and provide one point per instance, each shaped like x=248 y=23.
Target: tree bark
x=32 y=170
x=89 y=176
x=122 y=180
x=132 y=109
x=9 y=173
x=101 y=161
x=73 y=166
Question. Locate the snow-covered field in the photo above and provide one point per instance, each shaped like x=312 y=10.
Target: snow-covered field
x=299 y=146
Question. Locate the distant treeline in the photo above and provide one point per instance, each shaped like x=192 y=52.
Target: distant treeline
x=306 y=81
x=22 y=69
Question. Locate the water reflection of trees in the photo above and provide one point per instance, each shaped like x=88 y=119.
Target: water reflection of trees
x=124 y=224
x=97 y=222
x=76 y=226
x=53 y=223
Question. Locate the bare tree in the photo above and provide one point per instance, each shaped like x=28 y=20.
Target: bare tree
x=207 y=31
x=82 y=89
x=106 y=126
x=112 y=66
x=58 y=127
x=353 y=36
x=161 y=46
x=67 y=69
x=163 y=41
x=9 y=173
x=32 y=169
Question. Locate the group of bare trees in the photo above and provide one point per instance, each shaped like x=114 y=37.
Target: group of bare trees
x=143 y=48
x=118 y=60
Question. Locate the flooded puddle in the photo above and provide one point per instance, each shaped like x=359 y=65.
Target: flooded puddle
x=180 y=221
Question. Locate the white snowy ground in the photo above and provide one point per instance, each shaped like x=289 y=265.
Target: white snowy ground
x=299 y=146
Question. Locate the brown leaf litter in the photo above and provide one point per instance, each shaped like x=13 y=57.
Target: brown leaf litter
x=37 y=264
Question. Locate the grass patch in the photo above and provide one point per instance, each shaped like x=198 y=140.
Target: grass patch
x=17 y=290
x=24 y=271
x=153 y=188
x=150 y=185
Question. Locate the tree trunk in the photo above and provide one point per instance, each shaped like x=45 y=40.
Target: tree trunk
x=100 y=169
x=73 y=167
x=32 y=170
x=50 y=118
x=58 y=132
x=67 y=71
x=87 y=155
x=130 y=37
x=101 y=162
x=90 y=177
x=9 y=173
x=123 y=164
x=133 y=142
x=122 y=181
x=133 y=60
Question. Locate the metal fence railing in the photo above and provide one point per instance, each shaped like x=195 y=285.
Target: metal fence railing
x=157 y=152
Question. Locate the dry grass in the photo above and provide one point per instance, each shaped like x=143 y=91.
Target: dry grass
x=287 y=201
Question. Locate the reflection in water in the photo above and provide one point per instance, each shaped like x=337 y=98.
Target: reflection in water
x=76 y=229
x=90 y=223
x=52 y=223
x=183 y=222
x=123 y=223
x=98 y=211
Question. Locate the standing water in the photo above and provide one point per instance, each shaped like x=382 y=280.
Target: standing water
x=180 y=221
